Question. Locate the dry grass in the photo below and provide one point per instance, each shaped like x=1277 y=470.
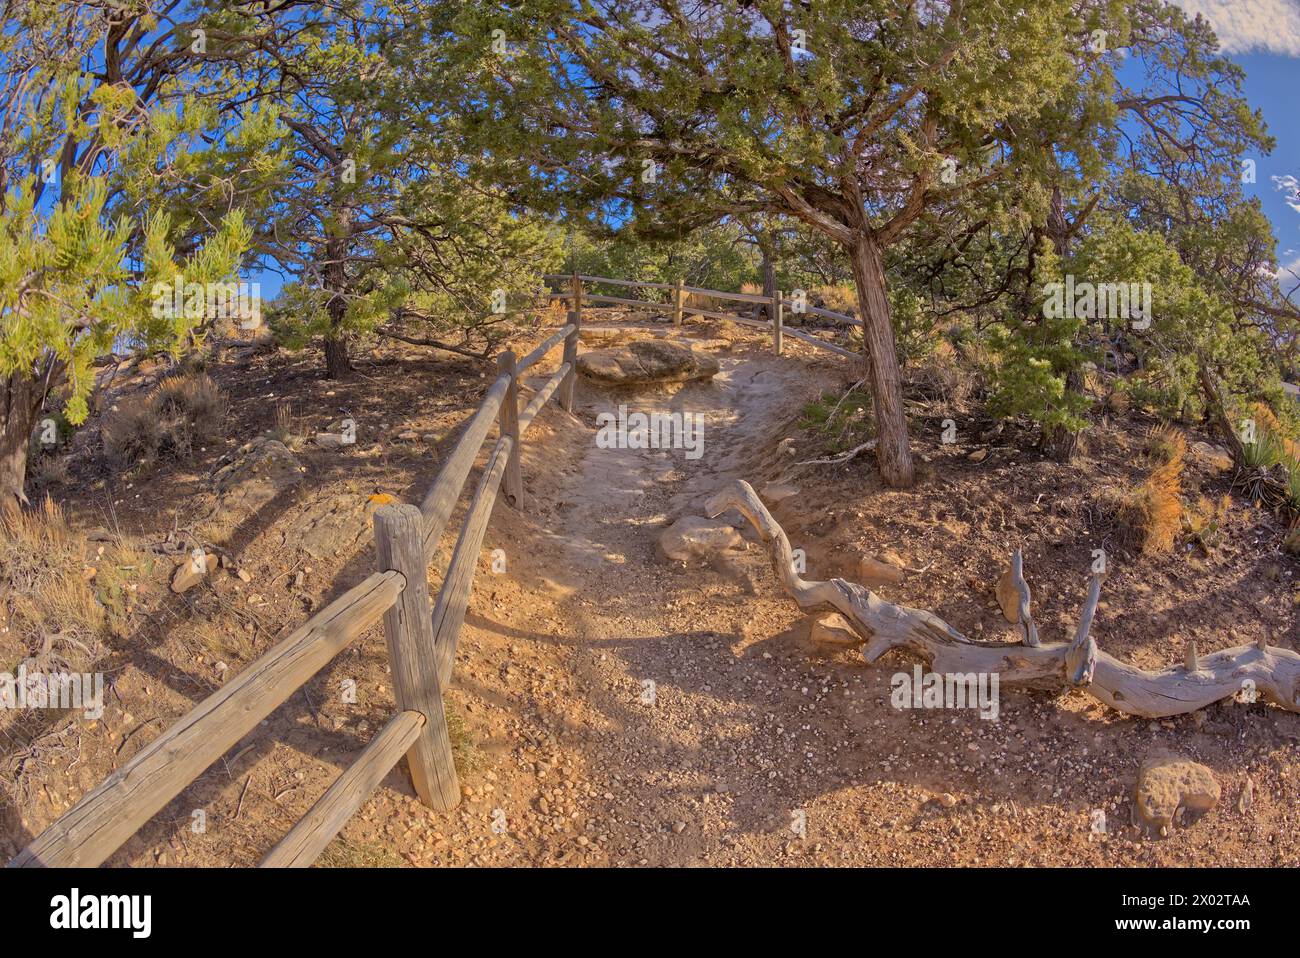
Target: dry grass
x=838 y=299
x=942 y=377
x=182 y=412
x=345 y=853
x=60 y=595
x=1150 y=515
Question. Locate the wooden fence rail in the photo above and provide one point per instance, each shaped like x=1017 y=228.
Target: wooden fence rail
x=421 y=635
x=421 y=638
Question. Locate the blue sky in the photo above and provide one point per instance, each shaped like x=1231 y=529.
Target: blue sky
x=1264 y=37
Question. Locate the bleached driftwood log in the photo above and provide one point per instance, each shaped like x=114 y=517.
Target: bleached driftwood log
x=1199 y=681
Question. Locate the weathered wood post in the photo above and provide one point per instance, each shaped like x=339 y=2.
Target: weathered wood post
x=778 y=322
x=678 y=299
x=571 y=347
x=508 y=423
x=408 y=627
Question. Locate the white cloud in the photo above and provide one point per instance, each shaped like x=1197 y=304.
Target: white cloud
x=1252 y=26
x=1291 y=186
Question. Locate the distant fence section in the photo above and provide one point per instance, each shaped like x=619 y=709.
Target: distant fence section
x=779 y=307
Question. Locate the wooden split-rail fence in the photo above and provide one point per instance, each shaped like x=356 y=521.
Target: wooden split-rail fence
x=421 y=633
x=777 y=307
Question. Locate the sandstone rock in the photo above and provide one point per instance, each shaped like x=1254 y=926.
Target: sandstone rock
x=645 y=362
x=1211 y=457
x=774 y=492
x=1168 y=781
x=692 y=536
x=834 y=628
x=874 y=572
x=258 y=472
x=189 y=573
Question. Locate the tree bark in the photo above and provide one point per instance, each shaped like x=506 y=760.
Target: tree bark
x=18 y=409
x=893 y=454
x=337 y=364
x=1058 y=442
x=769 y=277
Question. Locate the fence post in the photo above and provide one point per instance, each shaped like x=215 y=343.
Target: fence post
x=571 y=347
x=408 y=628
x=508 y=423
x=677 y=304
x=778 y=322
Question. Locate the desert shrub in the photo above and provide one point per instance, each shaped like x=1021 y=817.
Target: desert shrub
x=1204 y=521
x=1165 y=444
x=841 y=418
x=1150 y=515
x=1029 y=375
x=914 y=326
x=1270 y=472
x=167 y=422
x=944 y=378
x=1291 y=541
x=838 y=299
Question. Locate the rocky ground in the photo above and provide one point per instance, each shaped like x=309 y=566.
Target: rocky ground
x=615 y=706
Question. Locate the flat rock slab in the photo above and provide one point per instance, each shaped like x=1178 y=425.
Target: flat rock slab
x=692 y=536
x=258 y=472
x=645 y=362
x=1168 y=781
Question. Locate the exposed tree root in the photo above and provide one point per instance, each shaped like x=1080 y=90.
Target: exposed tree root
x=1197 y=682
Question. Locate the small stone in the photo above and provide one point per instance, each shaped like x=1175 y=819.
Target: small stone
x=189 y=573
x=1246 y=800
x=774 y=492
x=834 y=628
x=679 y=827
x=874 y=572
x=1167 y=782
x=1008 y=596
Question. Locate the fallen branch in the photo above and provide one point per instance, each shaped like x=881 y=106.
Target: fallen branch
x=435 y=344
x=842 y=457
x=1197 y=682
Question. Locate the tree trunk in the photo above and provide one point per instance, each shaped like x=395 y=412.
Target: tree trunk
x=893 y=455
x=1059 y=443
x=18 y=408
x=1216 y=406
x=337 y=364
x=769 y=278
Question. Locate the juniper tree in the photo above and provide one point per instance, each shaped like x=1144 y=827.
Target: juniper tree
x=843 y=113
x=99 y=104
x=375 y=222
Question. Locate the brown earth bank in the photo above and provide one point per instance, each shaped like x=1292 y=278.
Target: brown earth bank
x=611 y=706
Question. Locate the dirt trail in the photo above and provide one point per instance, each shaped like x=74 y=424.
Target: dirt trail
x=690 y=708
x=670 y=714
